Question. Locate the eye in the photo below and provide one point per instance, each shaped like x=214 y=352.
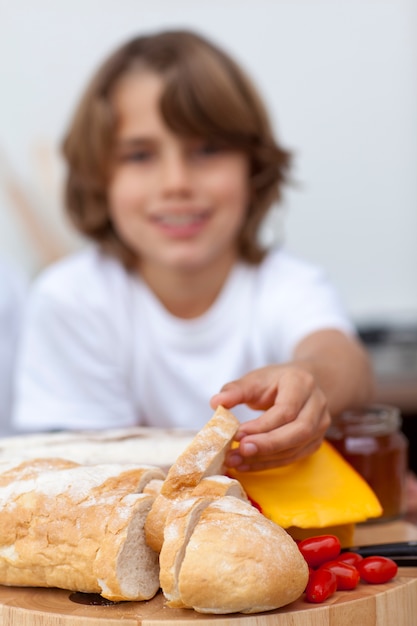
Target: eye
x=136 y=156
x=206 y=149
x=134 y=151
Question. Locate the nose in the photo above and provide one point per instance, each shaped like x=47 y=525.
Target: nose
x=175 y=174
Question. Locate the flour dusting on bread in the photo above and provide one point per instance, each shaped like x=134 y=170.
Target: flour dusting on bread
x=79 y=528
x=124 y=530
x=203 y=457
x=259 y=568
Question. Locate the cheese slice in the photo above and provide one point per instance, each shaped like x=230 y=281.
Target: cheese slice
x=313 y=495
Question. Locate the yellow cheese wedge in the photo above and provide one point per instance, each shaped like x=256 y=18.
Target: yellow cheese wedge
x=321 y=493
x=345 y=533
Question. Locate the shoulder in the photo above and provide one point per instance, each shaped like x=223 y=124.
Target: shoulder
x=294 y=282
x=296 y=298
x=287 y=271
x=85 y=276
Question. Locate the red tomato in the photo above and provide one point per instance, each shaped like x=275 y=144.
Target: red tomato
x=321 y=585
x=349 y=557
x=347 y=576
x=377 y=569
x=318 y=550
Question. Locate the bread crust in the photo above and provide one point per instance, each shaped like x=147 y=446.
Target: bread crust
x=203 y=457
x=92 y=529
x=259 y=568
x=180 y=523
x=153 y=487
x=125 y=567
x=155 y=521
x=65 y=525
x=218 y=486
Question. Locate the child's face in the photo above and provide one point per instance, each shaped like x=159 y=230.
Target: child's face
x=179 y=203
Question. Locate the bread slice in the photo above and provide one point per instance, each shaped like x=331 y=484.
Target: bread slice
x=235 y=560
x=125 y=567
x=204 y=456
x=77 y=527
x=153 y=487
x=155 y=522
x=180 y=523
x=209 y=487
x=218 y=486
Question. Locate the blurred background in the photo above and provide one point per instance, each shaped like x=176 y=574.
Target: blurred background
x=339 y=78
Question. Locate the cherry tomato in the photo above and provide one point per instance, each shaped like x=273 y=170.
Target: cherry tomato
x=377 y=569
x=347 y=576
x=349 y=557
x=318 y=550
x=321 y=585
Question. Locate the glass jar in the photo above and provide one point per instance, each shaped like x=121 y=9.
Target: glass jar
x=371 y=440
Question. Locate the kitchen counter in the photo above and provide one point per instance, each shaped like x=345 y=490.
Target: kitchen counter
x=386 y=532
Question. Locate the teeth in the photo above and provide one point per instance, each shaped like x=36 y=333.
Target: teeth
x=179 y=220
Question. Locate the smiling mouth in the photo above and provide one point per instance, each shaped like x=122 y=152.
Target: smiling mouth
x=181 y=219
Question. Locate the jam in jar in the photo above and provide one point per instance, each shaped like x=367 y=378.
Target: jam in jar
x=371 y=440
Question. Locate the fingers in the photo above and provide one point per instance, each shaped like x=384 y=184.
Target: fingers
x=263 y=464
x=285 y=443
x=229 y=396
x=293 y=423
x=294 y=391
x=258 y=390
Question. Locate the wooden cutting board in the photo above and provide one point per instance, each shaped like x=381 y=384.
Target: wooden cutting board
x=368 y=605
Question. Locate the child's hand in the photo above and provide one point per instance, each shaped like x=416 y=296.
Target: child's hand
x=293 y=425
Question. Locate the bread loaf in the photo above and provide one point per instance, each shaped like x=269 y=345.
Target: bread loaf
x=99 y=528
x=77 y=527
x=153 y=446
x=204 y=456
x=223 y=556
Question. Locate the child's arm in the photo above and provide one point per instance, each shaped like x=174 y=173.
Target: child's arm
x=330 y=372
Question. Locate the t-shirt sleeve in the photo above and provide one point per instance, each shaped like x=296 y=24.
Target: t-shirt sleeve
x=69 y=374
x=306 y=302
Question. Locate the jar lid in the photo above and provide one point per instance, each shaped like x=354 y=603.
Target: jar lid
x=376 y=419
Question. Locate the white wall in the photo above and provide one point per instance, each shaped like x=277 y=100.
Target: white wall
x=339 y=78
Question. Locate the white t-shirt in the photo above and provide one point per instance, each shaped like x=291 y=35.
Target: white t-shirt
x=12 y=294
x=100 y=351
